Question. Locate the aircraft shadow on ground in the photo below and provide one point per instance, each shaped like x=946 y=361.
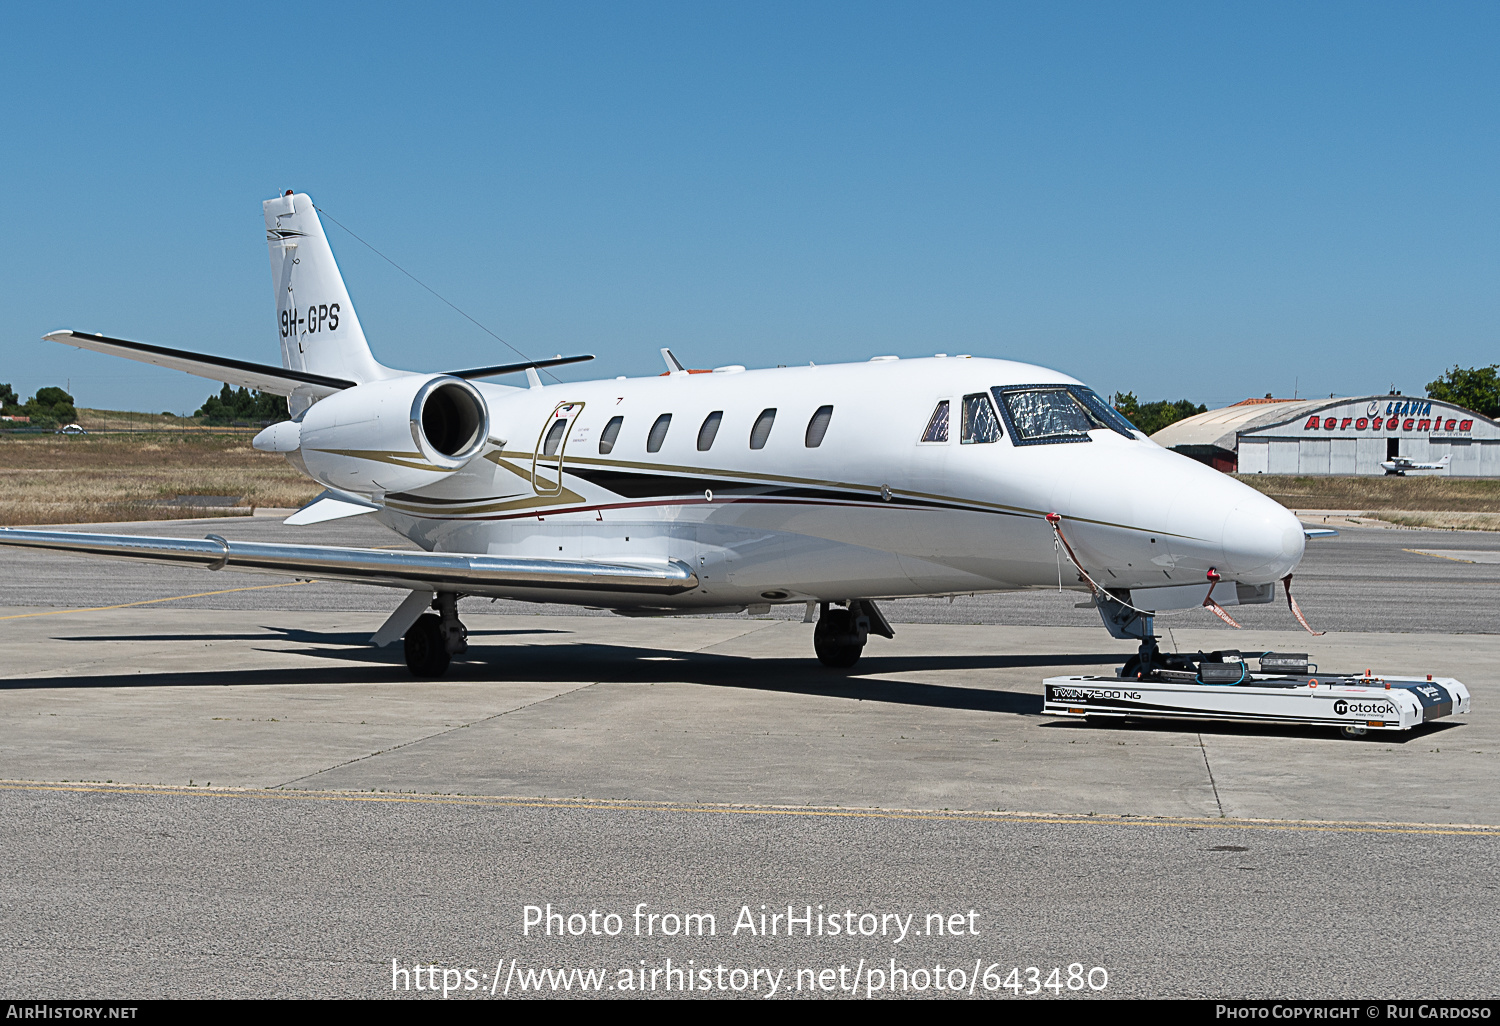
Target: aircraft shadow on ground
x=361 y=664
x=352 y=639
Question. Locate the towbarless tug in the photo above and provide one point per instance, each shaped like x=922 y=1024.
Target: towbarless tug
x=1287 y=689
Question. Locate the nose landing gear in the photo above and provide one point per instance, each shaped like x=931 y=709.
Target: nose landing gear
x=1123 y=622
x=434 y=640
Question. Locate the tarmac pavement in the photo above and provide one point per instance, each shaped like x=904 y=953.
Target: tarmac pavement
x=232 y=795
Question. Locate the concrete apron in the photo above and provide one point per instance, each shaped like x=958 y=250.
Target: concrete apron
x=726 y=710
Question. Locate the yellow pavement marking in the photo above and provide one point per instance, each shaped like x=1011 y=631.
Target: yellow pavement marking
x=147 y=602
x=1320 y=826
x=1437 y=555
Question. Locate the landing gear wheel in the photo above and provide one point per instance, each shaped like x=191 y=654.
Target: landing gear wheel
x=426 y=647
x=830 y=639
x=1353 y=730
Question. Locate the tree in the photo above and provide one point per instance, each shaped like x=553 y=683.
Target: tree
x=242 y=404
x=1473 y=388
x=51 y=405
x=1152 y=417
x=8 y=397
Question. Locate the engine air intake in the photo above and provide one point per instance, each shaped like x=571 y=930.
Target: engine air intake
x=453 y=419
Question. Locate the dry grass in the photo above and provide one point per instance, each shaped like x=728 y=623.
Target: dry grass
x=127 y=420
x=51 y=479
x=1447 y=495
x=1445 y=521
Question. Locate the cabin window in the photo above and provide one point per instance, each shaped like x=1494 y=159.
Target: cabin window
x=980 y=423
x=818 y=427
x=937 y=426
x=762 y=429
x=658 y=433
x=1046 y=415
x=608 y=436
x=554 y=437
x=709 y=430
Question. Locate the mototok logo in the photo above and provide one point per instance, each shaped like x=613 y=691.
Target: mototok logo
x=1343 y=708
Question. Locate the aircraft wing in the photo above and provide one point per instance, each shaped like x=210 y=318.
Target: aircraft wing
x=431 y=571
x=260 y=376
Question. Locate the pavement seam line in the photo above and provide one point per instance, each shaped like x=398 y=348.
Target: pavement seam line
x=147 y=602
x=725 y=641
x=1439 y=555
x=486 y=719
x=428 y=737
x=1211 y=783
x=584 y=804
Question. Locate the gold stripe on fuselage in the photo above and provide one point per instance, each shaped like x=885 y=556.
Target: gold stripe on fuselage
x=571 y=498
x=412 y=460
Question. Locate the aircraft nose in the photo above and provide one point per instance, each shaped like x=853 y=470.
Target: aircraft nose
x=1263 y=541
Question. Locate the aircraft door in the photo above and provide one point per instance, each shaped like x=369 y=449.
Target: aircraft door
x=551 y=443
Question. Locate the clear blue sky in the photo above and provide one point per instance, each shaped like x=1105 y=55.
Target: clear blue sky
x=1203 y=200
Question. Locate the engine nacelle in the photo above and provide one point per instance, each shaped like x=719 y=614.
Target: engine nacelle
x=395 y=435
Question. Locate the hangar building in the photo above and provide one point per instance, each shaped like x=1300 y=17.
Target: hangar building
x=1337 y=436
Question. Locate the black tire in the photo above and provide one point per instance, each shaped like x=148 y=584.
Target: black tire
x=828 y=640
x=426 y=648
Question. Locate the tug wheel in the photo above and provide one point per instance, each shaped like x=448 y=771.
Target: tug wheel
x=1135 y=665
x=1353 y=730
x=829 y=637
x=426 y=648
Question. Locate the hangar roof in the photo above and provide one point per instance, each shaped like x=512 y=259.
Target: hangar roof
x=1221 y=428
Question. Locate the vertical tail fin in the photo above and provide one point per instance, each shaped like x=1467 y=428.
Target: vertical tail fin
x=320 y=331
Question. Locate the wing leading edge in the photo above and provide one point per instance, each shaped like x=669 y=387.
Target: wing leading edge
x=242 y=373
x=432 y=571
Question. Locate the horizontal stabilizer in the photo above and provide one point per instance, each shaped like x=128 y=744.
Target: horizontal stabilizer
x=241 y=373
x=511 y=368
x=432 y=571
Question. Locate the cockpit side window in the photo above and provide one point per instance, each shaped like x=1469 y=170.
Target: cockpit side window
x=1048 y=414
x=1112 y=417
x=937 y=426
x=980 y=423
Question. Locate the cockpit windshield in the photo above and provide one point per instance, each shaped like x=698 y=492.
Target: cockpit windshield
x=1046 y=414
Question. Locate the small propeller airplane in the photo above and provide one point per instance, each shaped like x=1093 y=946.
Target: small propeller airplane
x=1397 y=466
x=837 y=486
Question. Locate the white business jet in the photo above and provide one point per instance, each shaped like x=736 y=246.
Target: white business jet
x=694 y=492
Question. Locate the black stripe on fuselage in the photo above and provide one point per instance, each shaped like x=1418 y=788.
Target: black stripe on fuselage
x=632 y=485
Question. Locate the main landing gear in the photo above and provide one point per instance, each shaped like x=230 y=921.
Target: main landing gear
x=435 y=639
x=839 y=638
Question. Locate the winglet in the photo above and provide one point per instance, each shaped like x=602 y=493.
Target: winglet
x=674 y=366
